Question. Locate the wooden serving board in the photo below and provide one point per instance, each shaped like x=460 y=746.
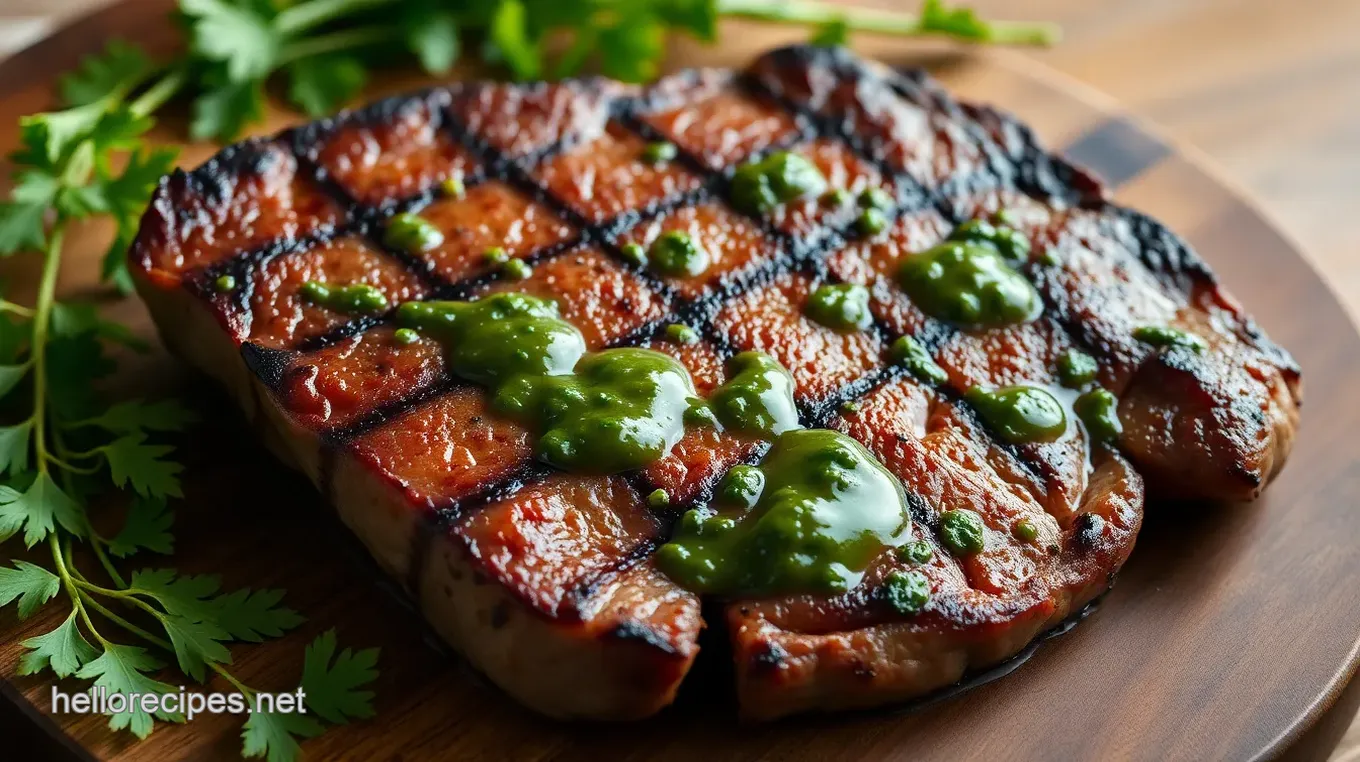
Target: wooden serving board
x=1232 y=630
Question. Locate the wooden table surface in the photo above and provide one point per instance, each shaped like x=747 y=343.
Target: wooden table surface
x=1269 y=90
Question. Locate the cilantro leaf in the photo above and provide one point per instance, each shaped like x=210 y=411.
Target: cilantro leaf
x=253 y=616
x=121 y=669
x=30 y=583
x=37 y=510
x=432 y=34
x=273 y=735
x=510 y=34
x=119 y=68
x=332 y=688
x=196 y=644
x=222 y=112
x=138 y=416
x=186 y=596
x=63 y=649
x=236 y=34
x=144 y=466
x=14 y=447
x=147 y=527
x=322 y=84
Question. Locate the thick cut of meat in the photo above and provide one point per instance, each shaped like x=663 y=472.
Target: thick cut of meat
x=544 y=579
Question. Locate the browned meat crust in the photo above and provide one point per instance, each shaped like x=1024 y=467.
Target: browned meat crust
x=544 y=580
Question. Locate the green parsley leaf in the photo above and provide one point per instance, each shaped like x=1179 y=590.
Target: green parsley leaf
x=432 y=34
x=63 y=649
x=30 y=583
x=222 y=112
x=58 y=132
x=37 y=510
x=963 y=23
x=332 y=689
x=322 y=84
x=236 y=34
x=147 y=527
x=22 y=218
x=196 y=644
x=11 y=375
x=698 y=17
x=138 y=416
x=631 y=49
x=187 y=596
x=121 y=669
x=126 y=196
x=273 y=735
x=15 y=334
x=831 y=34
x=115 y=71
x=73 y=362
x=510 y=34
x=144 y=466
x=14 y=447
x=254 y=616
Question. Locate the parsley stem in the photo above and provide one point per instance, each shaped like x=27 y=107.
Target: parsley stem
x=42 y=314
x=18 y=309
x=107 y=613
x=337 y=41
x=77 y=599
x=882 y=22
x=308 y=15
x=155 y=96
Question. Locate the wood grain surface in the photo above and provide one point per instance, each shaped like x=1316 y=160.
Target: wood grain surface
x=1226 y=637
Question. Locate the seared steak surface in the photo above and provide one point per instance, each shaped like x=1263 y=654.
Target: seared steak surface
x=545 y=579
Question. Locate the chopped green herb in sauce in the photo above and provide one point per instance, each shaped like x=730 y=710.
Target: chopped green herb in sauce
x=1098 y=410
x=741 y=486
x=1025 y=531
x=871 y=222
x=907 y=592
x=1076 y=369
x=781 y=177
x=758 y=396
x=681 y=334
x=962 y=531
x=1166 y=336
x=837 y=198
x=677 y=253
x=359 y=298
x=225 y=284
x=659 y=498
x=875 y=198
x=412 y=233
x=405 y=336
x=840 y=306
x=453 y=187
x=970 y=283
x=517 y=269
x=909 y=353
x=826 y=511
x=916 y=552
x=659 y=153
x=1020 y=414
x=849 y=407
x=496 y=256
x=633 y=253
x=1011 y=243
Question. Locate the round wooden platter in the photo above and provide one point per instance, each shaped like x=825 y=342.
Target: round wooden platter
x=1232 y=630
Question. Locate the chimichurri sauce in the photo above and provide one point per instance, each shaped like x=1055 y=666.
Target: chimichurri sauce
x=825 y=509
x=1020 y=414
x=971 y=278
x=757 y=398
x=841 y=306
x=781 y=177
x=595 y=412
x=359 y=298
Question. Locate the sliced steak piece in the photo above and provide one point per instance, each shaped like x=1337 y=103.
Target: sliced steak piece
x=545 y=580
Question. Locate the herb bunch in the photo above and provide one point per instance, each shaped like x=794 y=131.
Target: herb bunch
x=65 y=448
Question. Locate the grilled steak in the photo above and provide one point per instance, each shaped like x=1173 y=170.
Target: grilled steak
x=547 y=580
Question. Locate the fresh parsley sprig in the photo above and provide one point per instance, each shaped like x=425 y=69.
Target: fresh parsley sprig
x=62 y=443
